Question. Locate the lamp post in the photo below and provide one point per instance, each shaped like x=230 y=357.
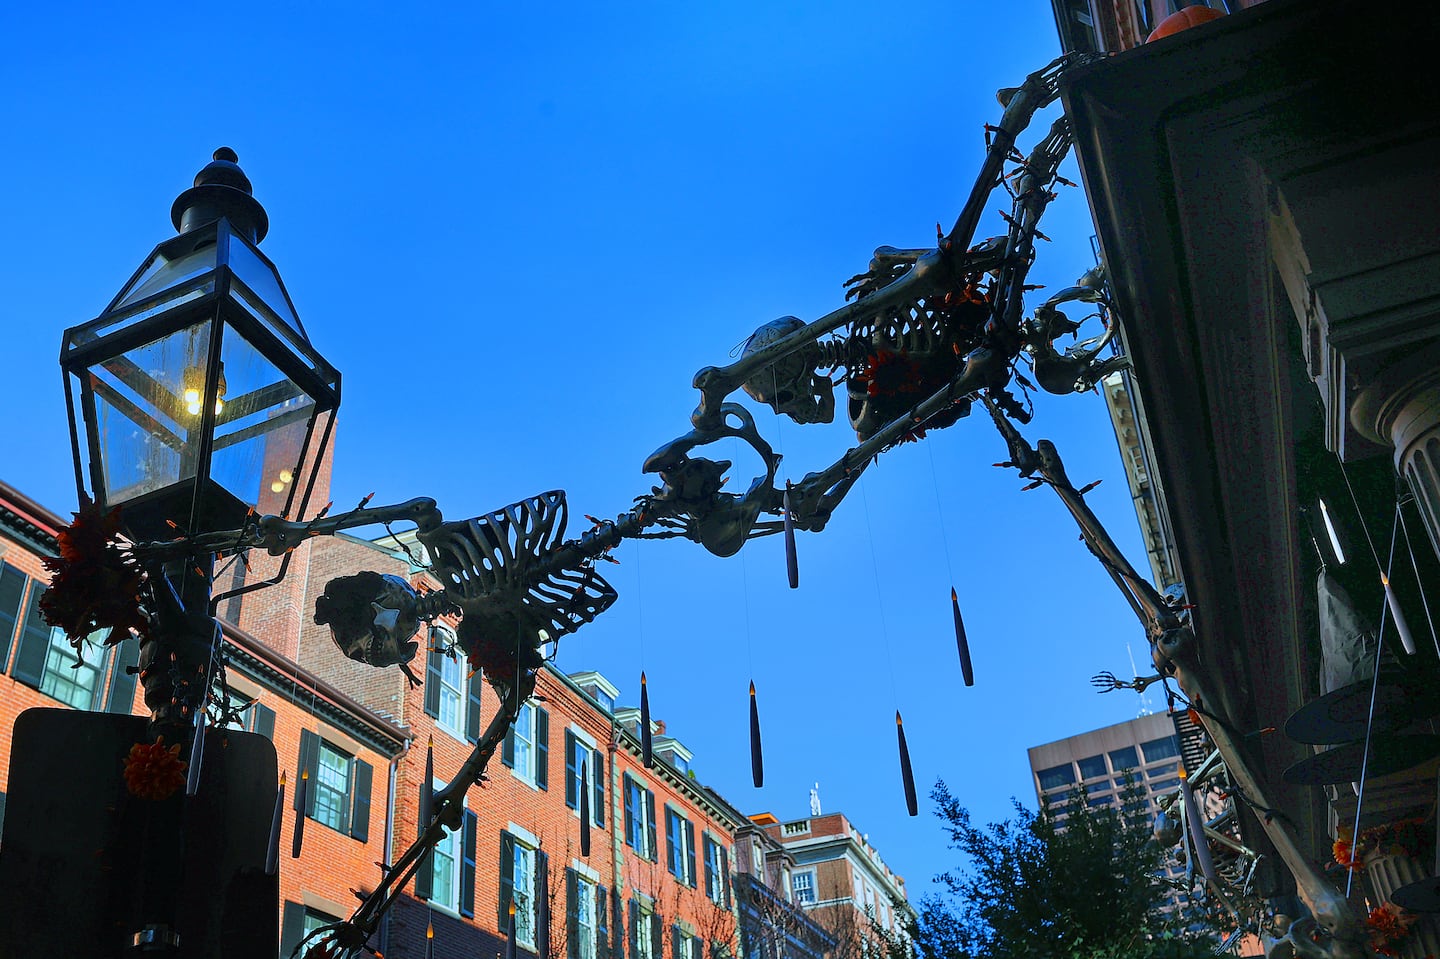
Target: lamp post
x=195 y=402
x=194 y=399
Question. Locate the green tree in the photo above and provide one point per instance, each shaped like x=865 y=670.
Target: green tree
x=1083 y=887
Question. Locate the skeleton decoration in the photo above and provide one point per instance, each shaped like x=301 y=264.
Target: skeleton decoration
x=924 y=334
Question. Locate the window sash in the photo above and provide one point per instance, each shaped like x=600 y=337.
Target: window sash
x=585 y=917
x=523 y=895
x=75 y=686
x=331 y=785
x=524 y=734
x=452 y=695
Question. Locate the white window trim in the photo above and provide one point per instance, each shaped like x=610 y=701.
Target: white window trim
x=584 y=881
x=814 y=887
x=684 y=836
x=582 y=738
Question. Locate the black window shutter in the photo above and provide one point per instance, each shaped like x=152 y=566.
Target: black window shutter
x=672 y=841
x=725 y=873
x=12 y=591
x=572 y=772
x=292 y=927
x=29 y=665
x=675 y=940
x=309 y=757
x=617 y=931
x=602 y=922
x=507 y=879
x=542 y=748
x=432 y=679
x=360 y=800
x=264 y=721
x=634 y=928
x=122 y=684
x=631 y=838
x=657 y=936
x=597 y=807
x=650 y=822
x=470 y=825
x=572 y=914
x=709 y=867
x=425 y=872
x=542 y=905
x=472 y=714
x=507 y=749
x=690 y=853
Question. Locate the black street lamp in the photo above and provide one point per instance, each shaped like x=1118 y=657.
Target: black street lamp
x=196 y=402
x=196 y=396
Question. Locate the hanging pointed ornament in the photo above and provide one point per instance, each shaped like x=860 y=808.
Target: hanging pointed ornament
x=1398 y=614
x=906 y=775
x=961 y=642
x=272 y=848
x=427 y=785
x=792 y=564
x=302 y=796
x=584 y=810
x=1196 y=824
x=757 y=760
x=646 y=742
x=510 y=952
x=197 y=753
x=430 y=940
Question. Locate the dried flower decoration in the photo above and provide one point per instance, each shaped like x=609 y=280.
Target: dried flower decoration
x=96 y=582
x=154 y=772
x=1389 y=927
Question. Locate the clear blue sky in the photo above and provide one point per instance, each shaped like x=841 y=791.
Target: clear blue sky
x=518 y=230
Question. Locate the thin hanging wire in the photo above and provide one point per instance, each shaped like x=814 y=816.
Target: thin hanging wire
x=940 y=512
x=1359 y=513
x=1370 y=717
x=879 y=596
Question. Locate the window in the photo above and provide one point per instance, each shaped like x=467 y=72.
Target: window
x=1166 y=770
x=576 y=751
x=584 y=918
x=314 y=919
x=1121 y=759
x=1166 y=747
x=12 y=592
x=249 y=715
x=331 y=786
x=451 y=698
x=639 y=818
x=644 y=931
x=717 y=872
x=1093 y=767
x=1101 y=801
x=525 y=884
x=45 y=659
x=297 y=922
x=680 y=846
x=683 y=943
x=527 y=746
x=1056 y=776
x=802 y=887
x=1164 y=784
x=338 y=794
x=74 y=682
x=606 y=701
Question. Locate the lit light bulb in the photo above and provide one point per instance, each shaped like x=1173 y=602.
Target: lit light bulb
x=192 y=401
x=277 y=487
x=286 y=476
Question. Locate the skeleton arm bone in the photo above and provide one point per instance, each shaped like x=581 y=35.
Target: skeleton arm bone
x=1174 y=649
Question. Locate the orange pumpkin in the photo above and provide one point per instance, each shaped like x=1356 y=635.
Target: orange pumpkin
x=1184 y=19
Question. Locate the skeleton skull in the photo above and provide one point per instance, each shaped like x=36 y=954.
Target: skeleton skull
x=371 y=616
x=790 y=385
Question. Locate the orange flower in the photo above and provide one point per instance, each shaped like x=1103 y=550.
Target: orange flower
x=1389 y=927
x=154 y=772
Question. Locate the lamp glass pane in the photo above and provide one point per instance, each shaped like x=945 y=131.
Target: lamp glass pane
x=264 y=282
x=147 y=427
x=168 y=267
x=261 y=430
